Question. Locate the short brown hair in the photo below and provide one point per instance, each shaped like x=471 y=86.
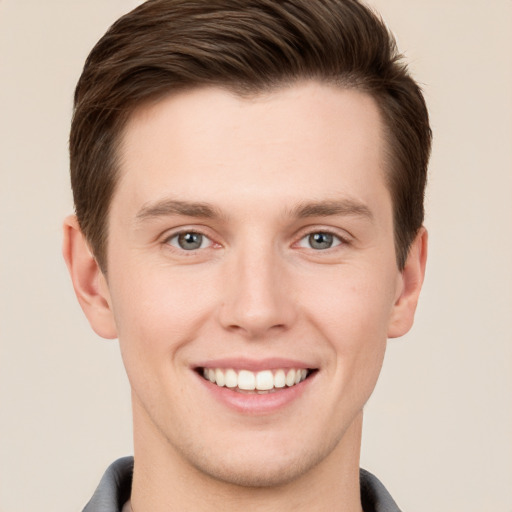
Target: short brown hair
x=249 y=47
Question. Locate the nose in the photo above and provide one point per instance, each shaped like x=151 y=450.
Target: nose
x=257 y=295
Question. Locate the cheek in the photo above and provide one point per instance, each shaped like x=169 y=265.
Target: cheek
x=353 y=314
x=158 y=312
x=156 y=319
x=358 y=302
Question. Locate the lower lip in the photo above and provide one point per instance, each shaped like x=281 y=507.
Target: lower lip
x=254 y=403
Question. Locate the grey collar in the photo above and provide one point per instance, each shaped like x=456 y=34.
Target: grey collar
x=115 y=487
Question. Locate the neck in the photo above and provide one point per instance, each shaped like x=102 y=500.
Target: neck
x=164 y=482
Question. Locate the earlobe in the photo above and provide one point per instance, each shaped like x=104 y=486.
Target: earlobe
x=88 y=280
x=411 y=281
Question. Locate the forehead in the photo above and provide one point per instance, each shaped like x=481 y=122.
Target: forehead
x=305 y=141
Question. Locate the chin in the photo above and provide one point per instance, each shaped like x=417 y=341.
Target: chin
x=262 y=465
x=258 y=474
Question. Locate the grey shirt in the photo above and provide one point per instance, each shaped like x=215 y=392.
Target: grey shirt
x=115 y=486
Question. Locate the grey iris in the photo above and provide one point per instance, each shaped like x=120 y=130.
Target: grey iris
x=190 y=241
x=320 y=240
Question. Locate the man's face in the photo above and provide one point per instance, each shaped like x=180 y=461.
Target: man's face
x=251 y=241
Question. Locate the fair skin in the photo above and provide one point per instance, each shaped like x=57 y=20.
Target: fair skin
x=254 y=235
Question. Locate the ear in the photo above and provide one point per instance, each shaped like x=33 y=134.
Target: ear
x=410 y=282
x=90 y=284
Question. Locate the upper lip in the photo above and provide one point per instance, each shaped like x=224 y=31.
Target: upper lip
x=255 y=365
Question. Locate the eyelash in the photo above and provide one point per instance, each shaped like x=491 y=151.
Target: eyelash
x=338 y=239
x=168 y=241
x=175 y=236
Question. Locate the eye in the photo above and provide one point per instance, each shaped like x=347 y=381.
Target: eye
x=320 y=241
x=189 y=241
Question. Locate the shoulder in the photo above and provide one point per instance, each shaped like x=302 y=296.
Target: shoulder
x=114 y=488
x=374 y=496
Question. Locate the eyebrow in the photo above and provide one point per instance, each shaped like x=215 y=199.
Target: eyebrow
x=167 y=207
x=349 y=207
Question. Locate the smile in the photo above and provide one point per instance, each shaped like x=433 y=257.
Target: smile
x=262 y=382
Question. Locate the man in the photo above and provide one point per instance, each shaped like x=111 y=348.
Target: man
x=248 y=178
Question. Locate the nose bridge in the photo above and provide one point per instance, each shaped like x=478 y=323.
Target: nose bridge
x=256 y=297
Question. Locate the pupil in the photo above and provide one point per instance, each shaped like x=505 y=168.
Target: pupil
x=190 y=241
x=320 y=240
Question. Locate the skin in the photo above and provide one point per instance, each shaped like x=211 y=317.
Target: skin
x=256 y=289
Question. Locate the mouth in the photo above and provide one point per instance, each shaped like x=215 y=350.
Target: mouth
x=260 y=382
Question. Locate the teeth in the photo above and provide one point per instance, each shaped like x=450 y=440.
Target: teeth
x=231 y=379
x=279 y=379
x=219 y=378
x=246 y=380
x=261 y=382
x=290 y=378
x=264 y=380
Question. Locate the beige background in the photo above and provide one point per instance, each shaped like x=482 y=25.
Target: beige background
x=438 y=429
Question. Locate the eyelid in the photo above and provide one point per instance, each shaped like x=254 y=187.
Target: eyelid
x=337 y=242
x=344 y=237
x=176 y=232
x=177 y=235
